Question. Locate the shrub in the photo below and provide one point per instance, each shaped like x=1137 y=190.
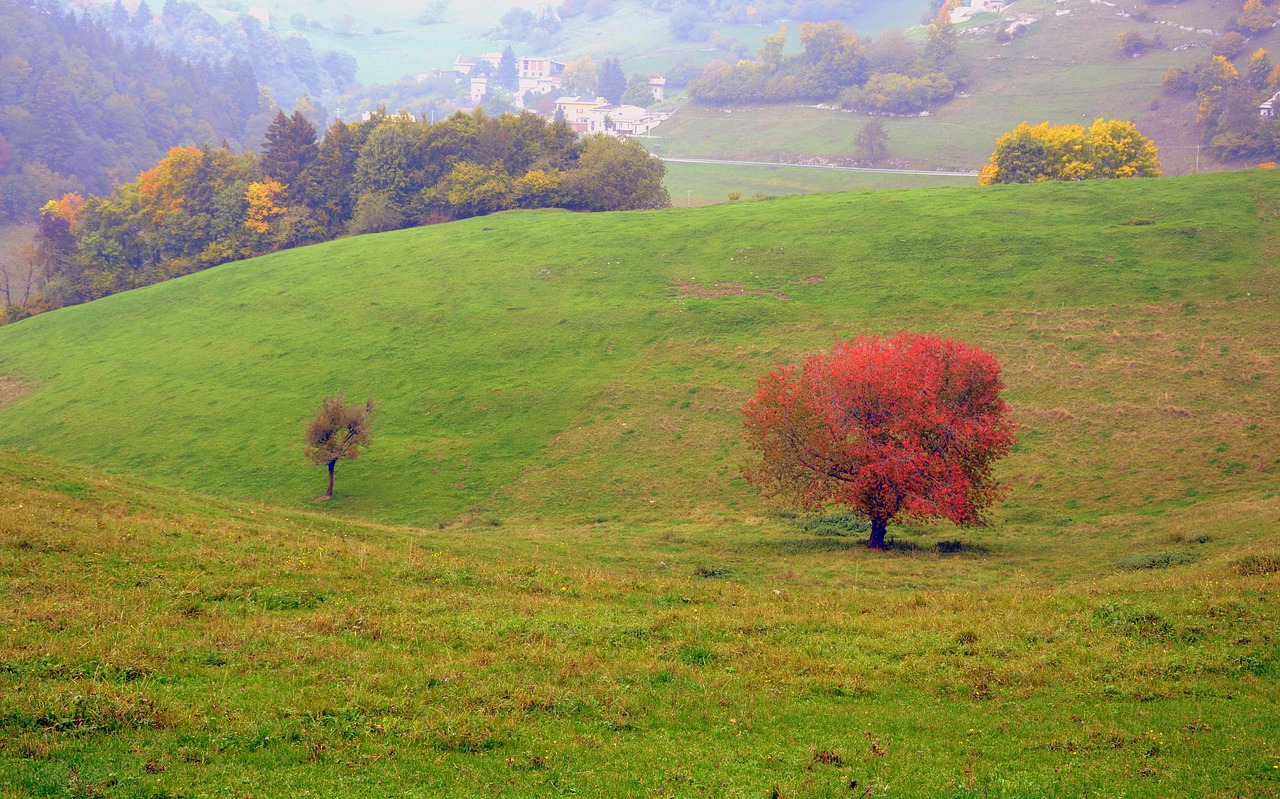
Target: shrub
x=1156 y=560
x=837 y=524
x=1256 y=564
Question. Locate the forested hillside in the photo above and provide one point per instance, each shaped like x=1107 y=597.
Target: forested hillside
x=199 y=207
x=82 y=111
x=285 y=64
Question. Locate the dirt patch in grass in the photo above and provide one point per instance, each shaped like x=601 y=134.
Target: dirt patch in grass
x=722 y=289
x=12 y=388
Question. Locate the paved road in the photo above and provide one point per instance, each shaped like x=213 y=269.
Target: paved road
x=939 y=172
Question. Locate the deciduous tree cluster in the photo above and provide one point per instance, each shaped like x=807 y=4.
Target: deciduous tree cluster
x=1227 y=105
x=1106 y=149
x=199 y=207
x=895 y=77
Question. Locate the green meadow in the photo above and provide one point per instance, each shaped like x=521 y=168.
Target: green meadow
x=546 y=576
x=705 y=184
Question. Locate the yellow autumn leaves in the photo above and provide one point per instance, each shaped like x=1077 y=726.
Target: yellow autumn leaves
x=1036 y=153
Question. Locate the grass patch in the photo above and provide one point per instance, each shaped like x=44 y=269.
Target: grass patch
x=1156 y=560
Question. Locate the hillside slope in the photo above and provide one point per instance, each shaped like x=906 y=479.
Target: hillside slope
x=155 y=643
x=548 y=363
x=593 y=603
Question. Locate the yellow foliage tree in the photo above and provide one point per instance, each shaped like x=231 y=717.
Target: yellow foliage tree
x=1036 y=153
x=1255 y=17
x=65 y=208
x=264 y=200
x=1216 y=78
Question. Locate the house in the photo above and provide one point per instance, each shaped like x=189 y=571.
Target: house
x=540 y=74
x=479 y=89
x=1268 y=109
x=541 y=67
x=577 y=110
x=622 y=120
x=463 y=64
x=658 y=87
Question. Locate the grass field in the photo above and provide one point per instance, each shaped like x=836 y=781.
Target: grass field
x=159 y=644
x=547 y=578
x=705 y=184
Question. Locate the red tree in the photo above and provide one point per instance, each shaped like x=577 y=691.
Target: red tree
x=904 y=427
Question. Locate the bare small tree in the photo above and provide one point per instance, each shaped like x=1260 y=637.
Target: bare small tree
x=338 y=431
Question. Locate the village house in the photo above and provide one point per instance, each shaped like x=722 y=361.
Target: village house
x=1268 y=109
x=540 y=74
x=599 y=116
x=577 y=110
x=479 y=89
x=658 y=86
x=463 y=64
x=622 y=120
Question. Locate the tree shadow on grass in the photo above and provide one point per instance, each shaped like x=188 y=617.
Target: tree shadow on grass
x=824 y=541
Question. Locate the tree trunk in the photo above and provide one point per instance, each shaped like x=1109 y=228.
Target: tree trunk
x=878 y=528
x=329 y=493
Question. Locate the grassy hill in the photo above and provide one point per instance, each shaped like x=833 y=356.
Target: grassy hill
x=159 y=644
x=588 y=598
x=541 y=363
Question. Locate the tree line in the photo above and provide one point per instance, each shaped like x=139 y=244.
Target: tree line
x=81 y=110
x=203 y=206
x=885 y=75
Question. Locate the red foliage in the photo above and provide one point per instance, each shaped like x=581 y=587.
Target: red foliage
x=907 y=426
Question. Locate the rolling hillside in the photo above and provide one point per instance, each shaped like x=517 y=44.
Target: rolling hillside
x=587 y=599
x=544 y=363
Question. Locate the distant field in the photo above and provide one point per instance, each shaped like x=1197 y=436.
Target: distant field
x=703 y=184
x=1063 y=69
x=588 y=599
x=637 y=35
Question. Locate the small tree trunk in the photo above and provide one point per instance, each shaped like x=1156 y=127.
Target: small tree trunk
x=878 y=528
x=328 y=494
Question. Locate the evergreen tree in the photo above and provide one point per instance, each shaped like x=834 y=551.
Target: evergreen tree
x=612 y=81
x=119 y=15
x=508 y=75
x=142 y=16
x=289 y=148
x=327 y=180
x=55 y=115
